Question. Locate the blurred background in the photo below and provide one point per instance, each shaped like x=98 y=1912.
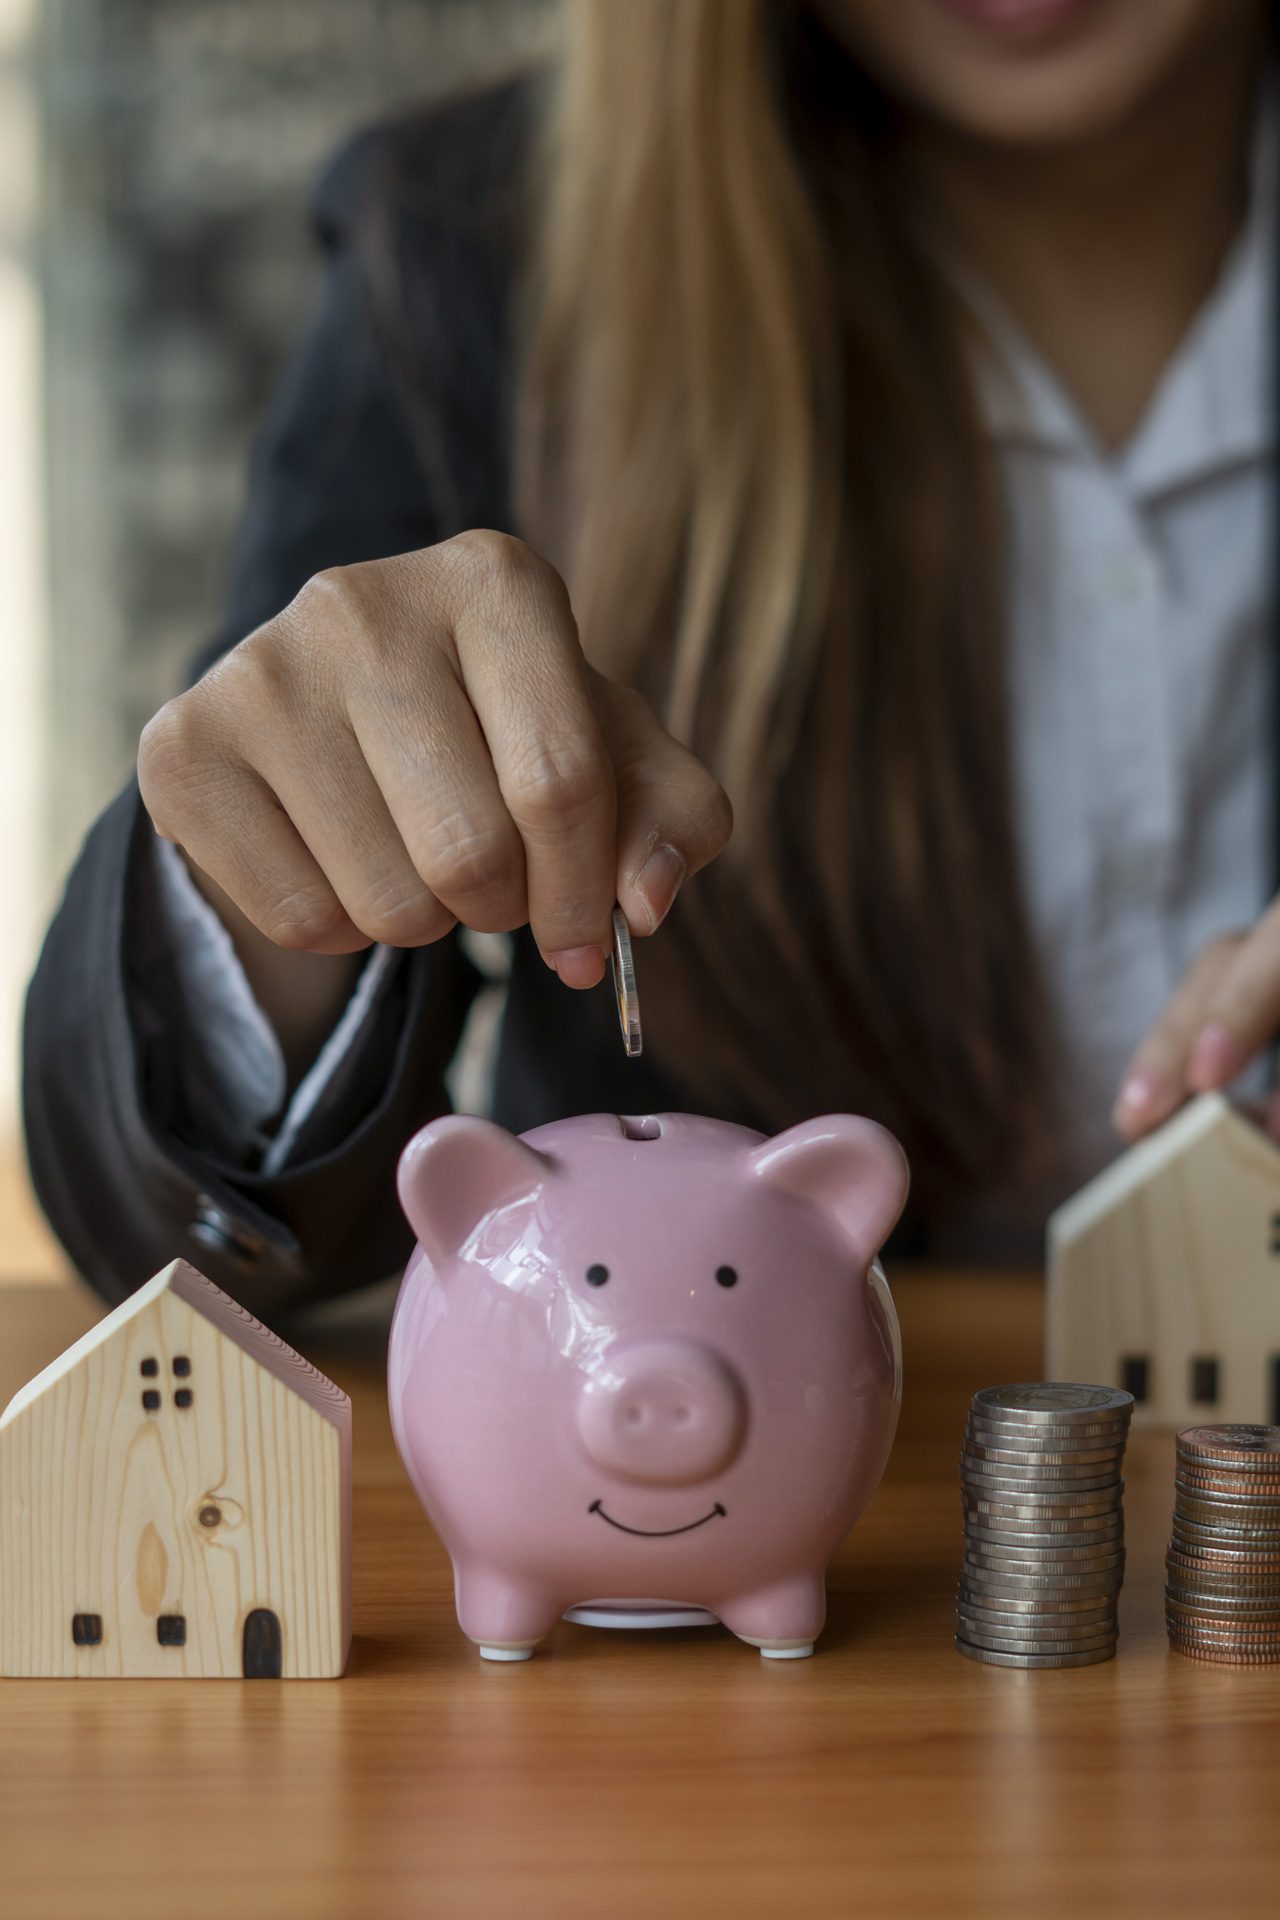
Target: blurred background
x=155 y=265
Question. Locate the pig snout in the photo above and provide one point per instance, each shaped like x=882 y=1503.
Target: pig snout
x=667 y=1412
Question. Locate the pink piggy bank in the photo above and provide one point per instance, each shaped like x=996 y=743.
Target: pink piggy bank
x=642 y=1366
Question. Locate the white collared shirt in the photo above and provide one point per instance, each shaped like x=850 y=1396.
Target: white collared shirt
x=1142 y=704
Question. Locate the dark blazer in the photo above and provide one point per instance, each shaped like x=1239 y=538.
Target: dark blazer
x=419 y=225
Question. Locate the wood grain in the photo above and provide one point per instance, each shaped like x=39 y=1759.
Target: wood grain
x=1172 y=1255
x=674 y=1775
x=173 y=1472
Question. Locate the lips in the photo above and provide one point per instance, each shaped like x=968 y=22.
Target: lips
x=1018 y=18
x=655 y=1533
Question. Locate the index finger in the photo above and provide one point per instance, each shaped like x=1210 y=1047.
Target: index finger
x=525 y=676
x=1242 y=1012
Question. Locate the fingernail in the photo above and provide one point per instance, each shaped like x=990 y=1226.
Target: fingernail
x=659 y=881
x=1136 y=1099
x=579 y=966
x=1213 y=1057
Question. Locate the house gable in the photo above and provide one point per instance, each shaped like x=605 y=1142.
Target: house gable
x=1164 y=1272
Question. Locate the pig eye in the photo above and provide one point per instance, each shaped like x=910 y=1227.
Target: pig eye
x=727 y=1276
x=597 y=1275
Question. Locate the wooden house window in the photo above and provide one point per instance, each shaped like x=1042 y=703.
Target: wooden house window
x=1204 y=1380
x=86 y=1629
x=151 y=1401
x=149 y=1368
x=1135 y=1373
x=183 y=1397
x=171 y=1629
x=181 y=1365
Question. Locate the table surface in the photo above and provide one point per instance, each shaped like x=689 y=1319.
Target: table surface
x=663 y=1774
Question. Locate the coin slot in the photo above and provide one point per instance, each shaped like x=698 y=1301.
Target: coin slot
x=171 y=1629
x=1135 y=1375
x=86 y=1629
x=640 y=1126
x=1204 y=1380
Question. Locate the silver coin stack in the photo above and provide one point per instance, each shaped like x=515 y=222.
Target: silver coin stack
x=1222 y=1583
x=1043 y=1525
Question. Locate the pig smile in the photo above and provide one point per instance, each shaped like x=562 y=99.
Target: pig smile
x=655 y=1533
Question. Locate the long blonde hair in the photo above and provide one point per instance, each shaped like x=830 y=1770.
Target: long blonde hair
x=748 y=439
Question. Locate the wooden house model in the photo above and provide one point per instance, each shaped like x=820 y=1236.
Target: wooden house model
x=1164 y=1273
x=175 y=1500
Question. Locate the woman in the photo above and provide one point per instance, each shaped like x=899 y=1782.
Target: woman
x=857 y=411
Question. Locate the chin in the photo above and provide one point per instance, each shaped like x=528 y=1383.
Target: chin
x=1034 y=73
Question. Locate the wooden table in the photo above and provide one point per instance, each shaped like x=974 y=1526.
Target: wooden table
x=667 y=1774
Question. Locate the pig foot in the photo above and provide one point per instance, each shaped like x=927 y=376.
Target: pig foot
x=783 y=1621
x=505 y=1617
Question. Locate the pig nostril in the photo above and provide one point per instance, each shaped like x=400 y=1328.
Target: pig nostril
x=683 y=1416
x=635 y=1416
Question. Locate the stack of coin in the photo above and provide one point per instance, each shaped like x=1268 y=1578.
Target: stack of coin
x=1043 y=1525
x=1222 y=1586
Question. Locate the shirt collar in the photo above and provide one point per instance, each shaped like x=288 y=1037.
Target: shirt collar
x=1213 y=407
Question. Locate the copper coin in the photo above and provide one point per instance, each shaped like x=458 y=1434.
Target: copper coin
x=1237 y=1444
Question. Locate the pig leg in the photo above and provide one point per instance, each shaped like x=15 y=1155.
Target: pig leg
x=503 y=1614
x=782 y=1620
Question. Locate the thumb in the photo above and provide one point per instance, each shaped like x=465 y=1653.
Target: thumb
x=673 y=815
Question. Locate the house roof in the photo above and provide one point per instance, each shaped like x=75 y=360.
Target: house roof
x=221 y=1311
x=1117 y=1183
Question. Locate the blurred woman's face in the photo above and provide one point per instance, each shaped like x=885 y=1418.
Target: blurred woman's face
x=1035 y=72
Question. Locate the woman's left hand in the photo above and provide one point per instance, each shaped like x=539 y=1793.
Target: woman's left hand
x=1223 y=1013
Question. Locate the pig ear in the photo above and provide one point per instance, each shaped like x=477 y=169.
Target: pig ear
x=455 y=1172
x=852 y=1169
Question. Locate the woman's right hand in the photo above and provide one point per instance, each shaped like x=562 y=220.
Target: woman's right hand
x=417 y=742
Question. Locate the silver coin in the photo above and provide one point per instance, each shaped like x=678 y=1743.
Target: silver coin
x=1234 y=1518
x=1062 y=1402
x=1227 y=1547
x=1000 y=1587
x=981 y=1624
x=1043 y=1506
x=1043 y=1548
x=1008 y=1437
x=624 y=986
x=1231 y=1540
x=1177 y=1581
x=996 y=1487
x=1043 y=1459
x=1037 y=1479
x=1044 y=1607
x=1058 y=1542
x=988 y=1657
x=1001 y=1643
x=1097 y=1472
x=1052 y=1576
x=1197 y=1607
x=1017 y=1567
x=1104 y=1503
